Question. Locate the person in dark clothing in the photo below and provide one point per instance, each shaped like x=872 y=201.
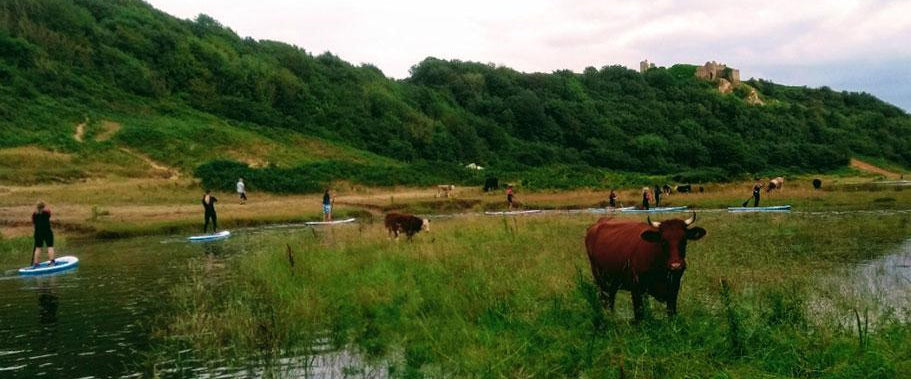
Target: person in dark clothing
x=44 y=236
x=612 y=198
x=510 y=197
x=645 y=198
x=657 y=196
x=756 y=191
x=208 y=202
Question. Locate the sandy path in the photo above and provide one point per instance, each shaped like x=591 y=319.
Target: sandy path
x=864 y=166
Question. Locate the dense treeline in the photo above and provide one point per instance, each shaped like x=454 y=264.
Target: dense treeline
x=64 y=59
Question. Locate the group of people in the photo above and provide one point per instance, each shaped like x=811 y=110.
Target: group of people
x=208 y=204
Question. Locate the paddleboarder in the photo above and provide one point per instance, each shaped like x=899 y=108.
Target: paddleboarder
x=510 y=196
x=242 y=190
x=645 y=198
x=612 y=198
x=756 y=191
x=328 y=201
x=208 y=203
x=44 y=236
x=657 y=196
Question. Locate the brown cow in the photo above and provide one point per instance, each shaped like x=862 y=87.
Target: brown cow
x=405 y=223
x=643 y=258
x=776 y=183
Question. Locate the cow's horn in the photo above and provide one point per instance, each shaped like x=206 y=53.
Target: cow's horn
x=690 y=220
x=656 y=224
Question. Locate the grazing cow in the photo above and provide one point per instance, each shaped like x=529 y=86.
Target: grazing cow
x=684 y=188
x=667 y=189
x=445 y=189
x=776 y=183
x=643 y=258
x=405 y=223
x=491 y=184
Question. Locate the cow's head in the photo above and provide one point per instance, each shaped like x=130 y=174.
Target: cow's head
x=672 y=235
x=425 y=224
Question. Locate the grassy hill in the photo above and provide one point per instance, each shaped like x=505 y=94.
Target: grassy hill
x=159 y=96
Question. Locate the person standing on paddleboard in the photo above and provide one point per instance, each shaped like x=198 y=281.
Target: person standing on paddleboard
x=208 y=202
x=328 y=202
x=41 y=218
x=756 y=191
x=612 y=198
x=657 y=196
x=242 y=191
x=645 y=198
x=510 y=196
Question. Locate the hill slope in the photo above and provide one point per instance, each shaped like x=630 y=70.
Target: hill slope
x=189 y=92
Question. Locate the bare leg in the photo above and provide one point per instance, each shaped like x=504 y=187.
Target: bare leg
x=35 y=256
x=50 y=253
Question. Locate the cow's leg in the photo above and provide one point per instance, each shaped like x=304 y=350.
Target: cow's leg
x=612 y=289
x=672 y=304
x=638 y=310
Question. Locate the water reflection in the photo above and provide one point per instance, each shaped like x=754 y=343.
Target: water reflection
x=48 y=302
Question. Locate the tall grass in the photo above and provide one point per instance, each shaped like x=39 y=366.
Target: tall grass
x=483 y=297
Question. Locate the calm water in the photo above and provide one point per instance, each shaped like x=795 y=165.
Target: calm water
x=92 y=321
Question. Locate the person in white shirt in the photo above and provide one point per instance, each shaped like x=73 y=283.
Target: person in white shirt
x=242 y=190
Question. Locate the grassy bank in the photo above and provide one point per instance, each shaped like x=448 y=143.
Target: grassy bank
x=486 y=296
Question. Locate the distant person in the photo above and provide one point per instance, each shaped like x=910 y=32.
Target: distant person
x=657 y=196
x=44 y=236
x=208 y=202
x=646 y=197
x=242 y=191
x=756 y=191
x=510 y=197
x=612 y=198
x=328 y=201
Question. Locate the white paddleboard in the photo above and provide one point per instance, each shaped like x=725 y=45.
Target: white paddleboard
x=333 y=222
x=512 y=213
x=777 y=208
x=655 y=210
x=210 y=237
x=60 y=264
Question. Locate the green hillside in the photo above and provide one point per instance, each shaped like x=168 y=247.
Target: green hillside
x=183 y=94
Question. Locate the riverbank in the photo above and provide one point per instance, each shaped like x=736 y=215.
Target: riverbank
x=118 y=208
x=495 y=296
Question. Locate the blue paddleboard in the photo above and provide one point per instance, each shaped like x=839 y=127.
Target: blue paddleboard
x=210 y=237
x=60 y=264
x=345 y=221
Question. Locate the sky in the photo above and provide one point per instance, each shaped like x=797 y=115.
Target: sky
x=846 y=45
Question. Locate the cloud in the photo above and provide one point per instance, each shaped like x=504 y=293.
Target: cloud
x=775 y=37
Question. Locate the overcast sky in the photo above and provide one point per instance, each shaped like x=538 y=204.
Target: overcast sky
x=846 y=45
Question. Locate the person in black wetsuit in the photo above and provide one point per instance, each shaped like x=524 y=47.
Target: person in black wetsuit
x=756 y=191
x=208 y=202
x=657 y=196
x=41 y=218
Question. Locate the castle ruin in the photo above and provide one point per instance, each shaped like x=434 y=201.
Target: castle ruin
x=645 y=66
x=714 y=70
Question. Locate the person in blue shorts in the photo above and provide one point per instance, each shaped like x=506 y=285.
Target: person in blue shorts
x=44 y=236
x=328 y=201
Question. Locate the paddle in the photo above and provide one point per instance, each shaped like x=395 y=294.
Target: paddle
x=746 y=202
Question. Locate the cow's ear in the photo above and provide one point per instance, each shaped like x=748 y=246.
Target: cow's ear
x=695 y=233
x=651 y=236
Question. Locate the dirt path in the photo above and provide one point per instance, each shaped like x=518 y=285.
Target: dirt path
x=80 y=131
x=864 y=166
x=110 y=128
x=171 y=172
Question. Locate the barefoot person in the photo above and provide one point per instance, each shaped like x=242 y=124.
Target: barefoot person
x=208 y=202
x=242 y=190
x=41 y=218
x=612 y=198
x=510 y=197
x=646 y=197
x=328 y=201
